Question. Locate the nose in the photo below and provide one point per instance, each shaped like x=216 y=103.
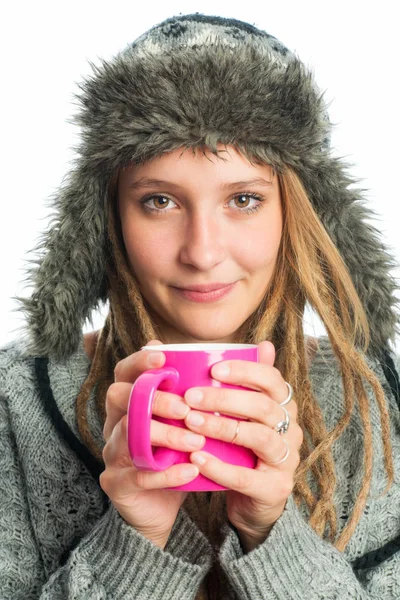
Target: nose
x=203 y=244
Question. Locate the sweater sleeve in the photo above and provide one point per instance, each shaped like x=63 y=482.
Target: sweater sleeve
x=295 y=563
x=112 y=561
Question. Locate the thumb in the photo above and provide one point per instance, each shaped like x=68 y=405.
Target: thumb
x=266 y=351
x=154 y=343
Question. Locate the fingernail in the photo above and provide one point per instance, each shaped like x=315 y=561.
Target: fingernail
x=194 y=396
x=192 y=439
x=194 y=418
x=198 y=458
x=189 y=471
x=155 y=359
x=181 y=410
x=221 y=370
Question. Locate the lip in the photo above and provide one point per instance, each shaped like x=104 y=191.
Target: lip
x=206 y=293
x=209 y=287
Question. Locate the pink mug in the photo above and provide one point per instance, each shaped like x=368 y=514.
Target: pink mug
x=186 y=366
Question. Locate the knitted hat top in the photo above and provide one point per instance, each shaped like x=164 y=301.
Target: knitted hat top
x=194 y=81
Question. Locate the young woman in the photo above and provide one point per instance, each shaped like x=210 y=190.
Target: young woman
x=205 y=205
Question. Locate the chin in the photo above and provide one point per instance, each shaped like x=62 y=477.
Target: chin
x=200 y=328
x=205 y=335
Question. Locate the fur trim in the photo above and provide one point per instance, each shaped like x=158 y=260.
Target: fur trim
x=173 y=88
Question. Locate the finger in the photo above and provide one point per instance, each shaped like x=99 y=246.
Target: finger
x=117 y=399
x=171 y=477
x=256 y=376
x=266 y=353
x=177 y=438
x=120 y=484
x=128 y=369
x=116 y=452
x=265 y=442
x=245 y=404
x=269 y=488
x=154 y=343
x=167 y=405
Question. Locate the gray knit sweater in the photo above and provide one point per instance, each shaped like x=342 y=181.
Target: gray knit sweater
x=50 y=503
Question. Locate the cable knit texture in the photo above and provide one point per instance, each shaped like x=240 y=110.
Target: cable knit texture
x=56 y=541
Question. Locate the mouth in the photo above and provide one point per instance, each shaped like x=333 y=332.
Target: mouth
x=206 y=293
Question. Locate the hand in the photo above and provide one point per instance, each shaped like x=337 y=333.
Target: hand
x=256 y=497
x=139 y=496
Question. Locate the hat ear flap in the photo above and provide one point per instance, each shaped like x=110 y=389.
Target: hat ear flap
x=347 y=220
x=68 y=273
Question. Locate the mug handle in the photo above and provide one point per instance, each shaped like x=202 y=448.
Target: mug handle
x=139 y=416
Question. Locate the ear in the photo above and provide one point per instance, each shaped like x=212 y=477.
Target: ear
x=266 y=353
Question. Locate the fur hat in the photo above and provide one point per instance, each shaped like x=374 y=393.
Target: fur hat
x=196 y=80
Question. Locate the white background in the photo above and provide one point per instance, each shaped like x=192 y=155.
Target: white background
x=45 y=47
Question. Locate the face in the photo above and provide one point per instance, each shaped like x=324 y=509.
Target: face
x=191 y=222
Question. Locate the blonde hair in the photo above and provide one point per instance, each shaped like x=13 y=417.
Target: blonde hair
x=309 y=268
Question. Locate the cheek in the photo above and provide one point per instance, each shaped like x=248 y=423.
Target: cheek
x=258 y=250
x=149 y=253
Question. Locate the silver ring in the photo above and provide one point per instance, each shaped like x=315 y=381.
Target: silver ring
x=236 y=432
x=283 y=426
x=290 y=395
x=277 y=462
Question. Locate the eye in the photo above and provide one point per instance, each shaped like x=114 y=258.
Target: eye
x=243 y=202
x=160 y=203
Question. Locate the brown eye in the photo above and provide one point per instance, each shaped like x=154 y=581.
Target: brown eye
x=157 y=204
x=247 y=202
x=242 y=201
x=160 y=201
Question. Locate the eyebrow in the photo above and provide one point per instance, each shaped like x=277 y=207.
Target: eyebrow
x=145 y=182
